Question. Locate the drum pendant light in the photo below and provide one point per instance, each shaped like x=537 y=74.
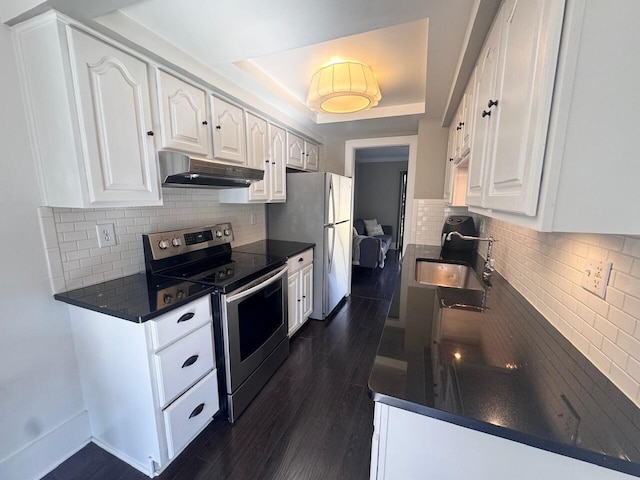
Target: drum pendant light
x=344 y=87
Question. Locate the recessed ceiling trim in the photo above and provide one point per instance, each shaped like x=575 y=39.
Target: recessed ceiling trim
x=378 y=112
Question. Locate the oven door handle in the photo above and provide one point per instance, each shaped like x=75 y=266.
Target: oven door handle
x=260 y=283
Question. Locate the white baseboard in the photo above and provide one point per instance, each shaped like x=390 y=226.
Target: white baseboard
x=47 y=452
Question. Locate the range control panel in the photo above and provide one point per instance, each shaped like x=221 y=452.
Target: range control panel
x=176 y=242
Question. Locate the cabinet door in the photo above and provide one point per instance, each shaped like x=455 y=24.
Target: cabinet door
x=115 y=116
x=306 y=278
x=312 y=156
x=294 y=302
x=528 y=54
x=468 y=115
x=228 y=132
x=295 y=151
x=482 y=122
x=183 y=116
x=278 y=170
x=448 y=176
x=258 y=156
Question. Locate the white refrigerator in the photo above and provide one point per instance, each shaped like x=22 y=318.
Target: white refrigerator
x=318 y=210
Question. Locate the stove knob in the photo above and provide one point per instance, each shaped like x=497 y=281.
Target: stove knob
x=163 y=244
x=229 y=271
x=221 y=274
x=167 y=299
x=176 y=242
x=180 y=294
x=227 y=232
x=218 y=233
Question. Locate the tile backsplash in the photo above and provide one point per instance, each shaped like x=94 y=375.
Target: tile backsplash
x=71 y=243
x=546 y=268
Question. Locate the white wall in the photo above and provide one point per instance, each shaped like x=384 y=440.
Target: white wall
x=41 y=404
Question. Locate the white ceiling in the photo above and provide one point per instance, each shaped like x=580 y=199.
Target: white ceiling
x=280 y=44
x=421 y=50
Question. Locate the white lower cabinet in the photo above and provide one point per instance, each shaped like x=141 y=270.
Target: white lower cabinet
x=300 y=291
x=150 y=387
x=410 y=446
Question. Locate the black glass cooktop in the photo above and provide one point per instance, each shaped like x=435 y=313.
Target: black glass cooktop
x=227 y=271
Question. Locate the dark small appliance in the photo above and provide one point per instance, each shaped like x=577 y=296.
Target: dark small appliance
x=464 y=225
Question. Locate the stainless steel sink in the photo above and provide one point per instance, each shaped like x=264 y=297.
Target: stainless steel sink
x=442 y=274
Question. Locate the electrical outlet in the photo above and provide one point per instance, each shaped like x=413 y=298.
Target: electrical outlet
x=252 y=218
x=106 y=235
x=596 y=277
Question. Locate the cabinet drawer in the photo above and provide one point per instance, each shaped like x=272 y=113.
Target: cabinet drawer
x=190 y=413
x=296 y=262
x=181 y=364
x=173 y=325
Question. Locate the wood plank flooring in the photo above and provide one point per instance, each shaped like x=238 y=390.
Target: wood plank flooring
x=313 y=420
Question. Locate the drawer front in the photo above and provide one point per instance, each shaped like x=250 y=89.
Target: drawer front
x=296 y=262
x=190 y=413
x=180 y=365
x=173 y=325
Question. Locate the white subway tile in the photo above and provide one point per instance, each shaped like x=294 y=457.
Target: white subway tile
x=615 y=353
x=631 y=247
x=72 y=217
x=599 y=359
x=633 y=369
x=624 y=382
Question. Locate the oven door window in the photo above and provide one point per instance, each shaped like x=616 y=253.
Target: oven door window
x=259 y=317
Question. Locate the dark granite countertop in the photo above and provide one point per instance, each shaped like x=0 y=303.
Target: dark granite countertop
x=277 y=248
x=138 y=298
x=505 y=371
x=135 y=298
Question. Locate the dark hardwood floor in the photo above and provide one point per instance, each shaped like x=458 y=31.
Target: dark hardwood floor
x=313 y=420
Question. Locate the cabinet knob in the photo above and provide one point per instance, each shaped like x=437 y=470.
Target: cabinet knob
x=218 y=127
x=150 y=133
x=266 y=161
x=273 y=163
x=486 y=114
x=451 y=159
x=299 y=300
x=458 y=127
x=205 y=123
x=492 y=103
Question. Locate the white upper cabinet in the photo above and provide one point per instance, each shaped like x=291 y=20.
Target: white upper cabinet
x=530 y=38
x=295 y=151
x=312 y=156
x=278 y=169
x=486 y=72
x=301 y=154
x=258 y=150
x=184 y=121
x=267 y=149
x=90 y=115
x=556 y=149
x=228 y=132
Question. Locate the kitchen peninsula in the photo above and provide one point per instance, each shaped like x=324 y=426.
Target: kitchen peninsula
x=460 y=392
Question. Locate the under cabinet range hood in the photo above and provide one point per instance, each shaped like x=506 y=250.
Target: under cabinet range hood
x=180 y=170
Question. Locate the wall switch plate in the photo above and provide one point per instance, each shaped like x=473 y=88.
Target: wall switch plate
x=252 y=218
x=106 y=235
x=595 y=277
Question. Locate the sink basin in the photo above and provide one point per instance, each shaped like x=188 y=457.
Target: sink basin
x=442 y=274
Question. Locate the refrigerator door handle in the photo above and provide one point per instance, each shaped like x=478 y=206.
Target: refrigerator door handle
x=333 y=245
x=332 y=198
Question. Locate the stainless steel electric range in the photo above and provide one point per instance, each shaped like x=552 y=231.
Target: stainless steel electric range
x=249 y=304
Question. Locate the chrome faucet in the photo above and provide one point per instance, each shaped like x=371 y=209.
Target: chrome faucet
x=488 y=268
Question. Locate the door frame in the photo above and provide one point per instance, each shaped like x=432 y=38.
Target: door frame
x=411 y=141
